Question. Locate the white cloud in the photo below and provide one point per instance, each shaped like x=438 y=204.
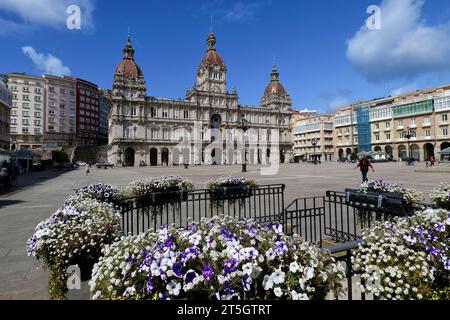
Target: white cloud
x=29 y=14
x=11 y=28
x=410 y=87
x=337 y=103
x=243 y=11
x=405 y=47
x=46 y=63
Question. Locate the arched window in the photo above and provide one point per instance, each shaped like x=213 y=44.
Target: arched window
x=154 y=134
x=165 y=134
x=129 y=133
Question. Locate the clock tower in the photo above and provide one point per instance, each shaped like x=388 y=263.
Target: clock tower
x=212 y=72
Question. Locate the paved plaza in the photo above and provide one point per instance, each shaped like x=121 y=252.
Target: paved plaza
x=41 y=193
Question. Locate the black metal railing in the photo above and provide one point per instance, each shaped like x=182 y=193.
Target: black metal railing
x=352 y=290
x=305 y=217
x=336 y=217
x=140 y=214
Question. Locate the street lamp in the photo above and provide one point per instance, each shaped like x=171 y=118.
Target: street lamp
x=314 y=142
x=408 y=135
x=245 y=124
x=119 y=161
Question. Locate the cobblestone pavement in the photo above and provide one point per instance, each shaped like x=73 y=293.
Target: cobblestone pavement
x=39 y=194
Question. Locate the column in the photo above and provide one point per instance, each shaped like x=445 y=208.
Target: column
x=170 y=157
x=422 y=152
x=158 y=158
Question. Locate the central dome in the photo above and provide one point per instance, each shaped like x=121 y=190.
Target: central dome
x=212 y=57
x=128 y=68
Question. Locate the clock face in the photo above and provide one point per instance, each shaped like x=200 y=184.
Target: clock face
x=216 y=120
x=216 y=68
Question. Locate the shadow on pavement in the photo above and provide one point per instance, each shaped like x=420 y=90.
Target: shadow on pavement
x=31 y=179
x=5 y=203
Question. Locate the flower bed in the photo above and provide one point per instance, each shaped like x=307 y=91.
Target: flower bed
x=441 y=196
x=76 y=233
x=221 y=258
x=100 y=192
x=396 y=200
x=159 y=190
x=230 y=188
x=407 y=258
x=73 y=235
x=410 y=195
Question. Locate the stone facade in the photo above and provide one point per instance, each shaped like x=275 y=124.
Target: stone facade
x=196 y=129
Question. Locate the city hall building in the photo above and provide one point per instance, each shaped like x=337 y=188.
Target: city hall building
x=145 y=129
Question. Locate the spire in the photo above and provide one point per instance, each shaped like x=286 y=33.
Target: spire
x=275 y=74
x=211 y=25
x=211 y=41
x=128 y=51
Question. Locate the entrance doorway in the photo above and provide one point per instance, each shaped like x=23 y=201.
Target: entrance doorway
x=153 y=157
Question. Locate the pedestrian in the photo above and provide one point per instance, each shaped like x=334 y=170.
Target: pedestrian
x=88 y=170
x=432 y=161
x=364 y=165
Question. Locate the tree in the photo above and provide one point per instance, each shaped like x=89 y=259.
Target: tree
x=60 y=156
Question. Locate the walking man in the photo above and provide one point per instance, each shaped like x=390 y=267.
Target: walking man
x=364 y=165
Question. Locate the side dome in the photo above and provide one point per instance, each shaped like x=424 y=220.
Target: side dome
x=275 y=86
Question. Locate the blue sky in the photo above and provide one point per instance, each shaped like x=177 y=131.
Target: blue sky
x=325 y=54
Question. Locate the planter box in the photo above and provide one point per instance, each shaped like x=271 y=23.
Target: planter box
x=391 y=203
x=162 y=198
x=231 y=193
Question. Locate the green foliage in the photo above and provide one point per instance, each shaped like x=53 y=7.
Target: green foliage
x=60 y=156
x=57 y=281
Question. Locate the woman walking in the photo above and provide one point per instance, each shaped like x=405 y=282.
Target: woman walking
x=364 y=165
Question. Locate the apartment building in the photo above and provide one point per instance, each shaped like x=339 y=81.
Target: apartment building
x=60 y=115
x=88 y=113
x=313 y=138
x=414 y=124
x=105 y=107
x=5 y=119
x=298 y=115
x=27 y=111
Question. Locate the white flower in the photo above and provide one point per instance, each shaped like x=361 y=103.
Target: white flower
x=271 y=254
x=294 y=267
x=278 y=292
x=267 y=283
x=130 y=291
x=309 y=273
x=278 y=276
x=195 y=239
x=173 y=288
